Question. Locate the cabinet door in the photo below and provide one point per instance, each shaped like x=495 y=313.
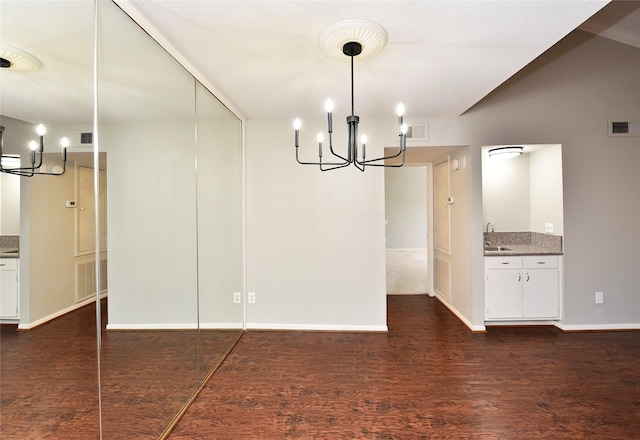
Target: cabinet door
x=540 y=293
x=504 y=293
x=9 y=294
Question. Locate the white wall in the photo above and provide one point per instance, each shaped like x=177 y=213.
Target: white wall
x=406 y=207
x=546 y=189
x=15 y=141
x=315 y=240
x=151 y=224
x=506 y=192
x=10 y=204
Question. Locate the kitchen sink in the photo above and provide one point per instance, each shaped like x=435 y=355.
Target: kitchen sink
x=496 y=248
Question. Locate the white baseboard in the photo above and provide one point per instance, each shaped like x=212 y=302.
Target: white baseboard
x=319 y=327
x=59 y=313
x=221 y=326
x=161 y=326
x=465 y=321
x=177 y=326
x=597 y=327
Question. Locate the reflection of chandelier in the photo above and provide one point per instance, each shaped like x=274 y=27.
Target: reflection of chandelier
x=352 y=49
x=10 y=164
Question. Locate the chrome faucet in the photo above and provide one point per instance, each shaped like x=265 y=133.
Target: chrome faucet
x=486 y=239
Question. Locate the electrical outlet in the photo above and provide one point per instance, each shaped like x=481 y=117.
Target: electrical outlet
x=599 y=297
x=252 y=297
x=548 y=228
x=237 y=298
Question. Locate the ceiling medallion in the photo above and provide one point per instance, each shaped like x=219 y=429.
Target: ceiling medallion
x=18 y=60
x=371 y=36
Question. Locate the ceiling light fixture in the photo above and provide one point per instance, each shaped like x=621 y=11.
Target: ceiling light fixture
x=505 y=152
x=355 y=37
x=12 y=58
x=10 y=164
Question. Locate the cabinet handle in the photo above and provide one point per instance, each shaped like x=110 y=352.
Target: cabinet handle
x=542 y=262
x=505 y=262
x=519 y=276
x=3 y=264
x=527 y=276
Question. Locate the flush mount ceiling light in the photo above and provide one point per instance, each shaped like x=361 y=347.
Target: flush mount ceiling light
x=16 y=59
x=505 y=152
x=346 y=40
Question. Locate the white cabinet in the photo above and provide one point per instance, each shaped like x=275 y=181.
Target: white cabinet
x=522 y=288
x=9 y=288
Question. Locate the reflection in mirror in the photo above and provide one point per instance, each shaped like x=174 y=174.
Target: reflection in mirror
x=174 y=230
x=48 y=377
x=146 y=128
x=220 y=280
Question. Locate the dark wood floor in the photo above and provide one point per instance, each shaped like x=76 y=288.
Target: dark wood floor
x=429 y=377
x=49 y=381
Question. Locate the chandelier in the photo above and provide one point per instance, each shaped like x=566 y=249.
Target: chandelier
x=11 y=164
x=375 y=38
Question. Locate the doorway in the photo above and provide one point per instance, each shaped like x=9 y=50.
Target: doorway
x=419 y=263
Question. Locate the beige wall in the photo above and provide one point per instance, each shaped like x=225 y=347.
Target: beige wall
x=51 y=246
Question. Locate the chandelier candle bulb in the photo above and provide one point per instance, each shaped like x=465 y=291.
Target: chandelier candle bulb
x=363 y=141
x=65 y=143
x=328 y=106
x=320 y=139
x=296 y=126
x=400 y=113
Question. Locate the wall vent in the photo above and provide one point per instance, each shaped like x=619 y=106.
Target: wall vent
x=86 y=279
x=418 y=133
x=442 y=275
x=624 y=127
x=86 y=138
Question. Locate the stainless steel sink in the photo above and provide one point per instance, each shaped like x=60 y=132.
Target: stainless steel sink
x=496 y=248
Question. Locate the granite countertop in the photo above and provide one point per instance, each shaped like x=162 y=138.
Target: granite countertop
x=523 y=249
x=523 y=243
x=9 y=252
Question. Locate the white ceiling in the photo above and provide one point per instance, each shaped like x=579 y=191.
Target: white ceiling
x=442 y=57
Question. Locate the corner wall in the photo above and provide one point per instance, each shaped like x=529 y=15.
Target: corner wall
x=565 y=98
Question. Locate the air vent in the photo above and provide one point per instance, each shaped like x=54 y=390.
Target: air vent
x=624 y=127
x=418 y=133
x=86 y=138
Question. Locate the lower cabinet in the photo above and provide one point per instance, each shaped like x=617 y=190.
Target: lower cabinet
x=525 y=288
x=9 y=288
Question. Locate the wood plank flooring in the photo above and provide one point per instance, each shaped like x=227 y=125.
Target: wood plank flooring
x=428 y=378
x=49 y=381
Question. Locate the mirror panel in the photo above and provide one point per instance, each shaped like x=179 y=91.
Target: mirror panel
x=168 y=161
x=146 y=128
x=48 y=377
x=220 y=262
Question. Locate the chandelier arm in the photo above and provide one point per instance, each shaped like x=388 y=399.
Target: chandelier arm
x=333 y=152
x=398 y=165
x=368 y=161
x=358 y=165
x=334 y=166
x=319 y=163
